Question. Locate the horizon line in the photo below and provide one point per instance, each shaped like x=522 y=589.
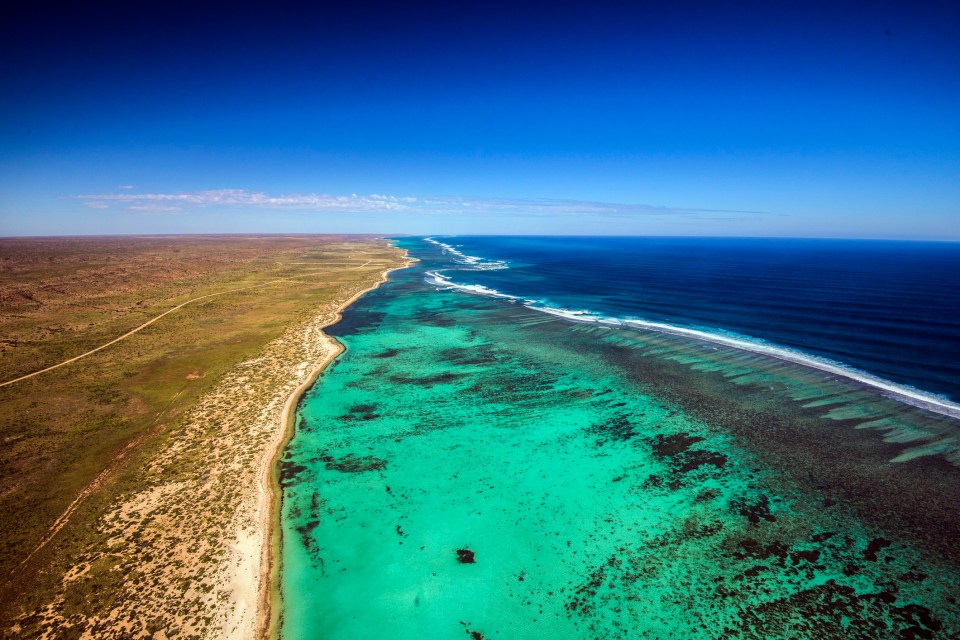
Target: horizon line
x=388 y=236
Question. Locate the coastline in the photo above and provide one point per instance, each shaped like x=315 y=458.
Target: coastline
x=641 y=448
x=269 y=598
x=174 y=548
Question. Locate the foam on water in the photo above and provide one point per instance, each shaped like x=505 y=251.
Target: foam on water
x=903 y=393
x=473 y=261
x=465 y=470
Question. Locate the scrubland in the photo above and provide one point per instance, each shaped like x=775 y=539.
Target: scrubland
x=131 y=480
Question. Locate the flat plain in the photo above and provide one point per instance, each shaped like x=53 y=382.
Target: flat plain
x=130 y=475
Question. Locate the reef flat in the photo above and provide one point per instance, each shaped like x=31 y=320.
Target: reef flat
x=473 y=466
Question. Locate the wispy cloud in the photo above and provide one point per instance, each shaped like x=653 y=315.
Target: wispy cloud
x=377 y=203
x=564 y=207
x=241 y=198
x=125 y=186
x=155 y=207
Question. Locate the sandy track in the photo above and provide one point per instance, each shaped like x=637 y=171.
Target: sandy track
x=188 y=552
x=137 y=329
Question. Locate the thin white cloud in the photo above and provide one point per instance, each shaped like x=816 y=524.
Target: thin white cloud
x=258 y=200
x=563 y=207
x=125 y=186
x=379 y=203
x=151 y=207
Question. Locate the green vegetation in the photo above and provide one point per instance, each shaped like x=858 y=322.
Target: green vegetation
x=87 y=429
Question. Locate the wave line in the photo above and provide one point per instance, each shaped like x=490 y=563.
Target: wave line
x=903 y=393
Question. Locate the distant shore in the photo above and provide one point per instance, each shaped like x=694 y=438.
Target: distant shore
x=269 y=600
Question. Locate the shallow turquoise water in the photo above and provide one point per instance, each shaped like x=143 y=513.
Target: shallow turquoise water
x=472 y=467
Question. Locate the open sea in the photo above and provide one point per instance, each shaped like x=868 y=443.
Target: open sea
x=634 y=438
x=891 y=309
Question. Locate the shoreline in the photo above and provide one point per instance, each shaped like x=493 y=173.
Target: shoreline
x=174 y=545
x=269 y=598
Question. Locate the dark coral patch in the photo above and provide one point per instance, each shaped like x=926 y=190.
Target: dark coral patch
x=583 y=602
x=289 y=472
x=683 y=459
x=875 y=545
x=673 y=445
x=755 y=512
x=750 y=549
x=804 y=556
x=754 y=571
x=465 y=356
x=358 y=321
x=427 y=381
x=707 y=495
x=693 y=460
x=360 y=412
x=465 y=556
x=474 y=635
x=351 y=463
x=835 y=611
x=435 y=319
x=619 y=428
x=693 y=530
x=652 y=482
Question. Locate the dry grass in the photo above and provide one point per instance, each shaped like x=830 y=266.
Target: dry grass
x=158 y=435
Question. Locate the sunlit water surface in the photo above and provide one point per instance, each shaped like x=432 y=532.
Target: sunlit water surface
x=473 y=467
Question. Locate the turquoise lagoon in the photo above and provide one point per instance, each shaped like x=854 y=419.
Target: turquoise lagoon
x=470 y=467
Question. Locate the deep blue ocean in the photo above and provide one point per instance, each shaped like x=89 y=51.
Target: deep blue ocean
x=890 y=309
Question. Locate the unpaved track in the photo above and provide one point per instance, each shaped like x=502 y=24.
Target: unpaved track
x=133 y=331
x=132 y=445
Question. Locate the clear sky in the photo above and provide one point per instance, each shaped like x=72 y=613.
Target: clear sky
x=837 y=119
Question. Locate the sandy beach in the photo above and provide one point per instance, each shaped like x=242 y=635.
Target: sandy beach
x=265 y=546
x=480 y=467
x=186 y=551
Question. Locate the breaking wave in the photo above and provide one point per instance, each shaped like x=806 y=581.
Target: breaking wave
x=903 y=393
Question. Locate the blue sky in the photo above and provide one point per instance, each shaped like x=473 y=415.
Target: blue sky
x=821 y=120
